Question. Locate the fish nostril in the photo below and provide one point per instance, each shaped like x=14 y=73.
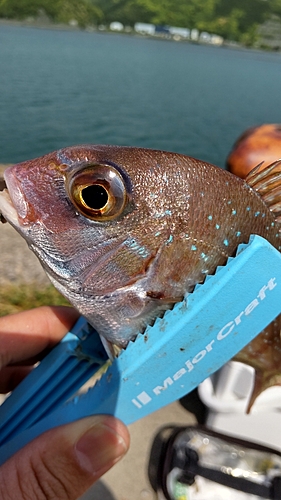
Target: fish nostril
x=3 y=184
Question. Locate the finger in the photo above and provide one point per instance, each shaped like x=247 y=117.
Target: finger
x=11 y=376
x=64 y=462
x=26 y=334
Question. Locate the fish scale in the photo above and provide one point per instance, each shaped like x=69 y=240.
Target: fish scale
x=190 y=342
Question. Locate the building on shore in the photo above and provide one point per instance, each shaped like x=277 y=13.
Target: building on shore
x=116 y=26
x=145 y=29
x=178 y=33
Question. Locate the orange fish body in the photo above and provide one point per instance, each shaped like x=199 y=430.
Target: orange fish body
x=256 y=145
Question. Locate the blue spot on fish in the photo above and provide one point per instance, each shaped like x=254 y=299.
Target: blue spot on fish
x=193 y=247
x=170 y=239
x=257 y=213
x=158 y=233
x=158 y=215
x=136 y=247
x=229 y=202
x=233 y=212
x=248 y=209
x=217 y=226
x=210 y=217
x=238 y=233
x=204 y=257
x=225 y=242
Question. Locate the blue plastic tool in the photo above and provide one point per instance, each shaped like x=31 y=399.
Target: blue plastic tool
x=171 y=358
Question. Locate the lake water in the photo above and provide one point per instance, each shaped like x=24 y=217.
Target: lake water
x=60 y=88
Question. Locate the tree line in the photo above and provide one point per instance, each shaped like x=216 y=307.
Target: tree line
x=232 y=19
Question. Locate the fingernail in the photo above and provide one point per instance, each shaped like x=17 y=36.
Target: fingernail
x=99 y=447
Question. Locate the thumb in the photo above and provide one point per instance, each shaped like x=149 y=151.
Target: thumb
x=64 y=462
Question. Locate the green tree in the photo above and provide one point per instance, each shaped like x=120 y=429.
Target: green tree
x=235 y=19
x=58 y=10
x=83 y=12
x=20 y=10
x=125 y=11
x=180 y=13
x=275 y=7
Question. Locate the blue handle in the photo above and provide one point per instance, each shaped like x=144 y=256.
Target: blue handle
x=183 y=348
x=59 y=375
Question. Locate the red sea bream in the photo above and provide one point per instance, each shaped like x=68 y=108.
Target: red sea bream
x=124 y=233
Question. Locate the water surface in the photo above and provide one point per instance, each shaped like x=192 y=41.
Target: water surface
x=60 y=88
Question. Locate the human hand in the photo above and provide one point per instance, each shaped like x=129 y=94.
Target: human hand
x=63 y=462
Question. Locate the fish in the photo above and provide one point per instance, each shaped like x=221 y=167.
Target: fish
x=124 y=233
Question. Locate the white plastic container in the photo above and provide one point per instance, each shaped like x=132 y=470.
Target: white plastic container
x=227 y=394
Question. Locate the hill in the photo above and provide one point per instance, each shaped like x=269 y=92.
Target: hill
x=233 y=19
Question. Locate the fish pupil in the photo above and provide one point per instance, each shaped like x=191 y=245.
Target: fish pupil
x=95 y=196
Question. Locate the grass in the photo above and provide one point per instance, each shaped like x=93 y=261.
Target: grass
x=16 y=298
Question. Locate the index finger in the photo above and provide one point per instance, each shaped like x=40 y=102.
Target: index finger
x=27 y=334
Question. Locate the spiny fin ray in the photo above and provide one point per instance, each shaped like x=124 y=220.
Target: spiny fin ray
x=267 y=183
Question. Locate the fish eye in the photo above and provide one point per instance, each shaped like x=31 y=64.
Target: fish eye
x=95 y=197
x=98 y=192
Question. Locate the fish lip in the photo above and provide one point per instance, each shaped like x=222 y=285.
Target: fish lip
x=12 y=202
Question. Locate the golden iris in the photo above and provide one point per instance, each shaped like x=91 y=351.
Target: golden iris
x=98 y=192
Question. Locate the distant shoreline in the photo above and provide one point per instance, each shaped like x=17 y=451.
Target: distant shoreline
x=37 y=24
x=93 y=29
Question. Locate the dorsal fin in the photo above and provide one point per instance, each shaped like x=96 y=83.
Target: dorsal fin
x=267 y=183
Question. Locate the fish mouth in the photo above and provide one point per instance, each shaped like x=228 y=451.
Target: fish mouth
x=8 y=210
